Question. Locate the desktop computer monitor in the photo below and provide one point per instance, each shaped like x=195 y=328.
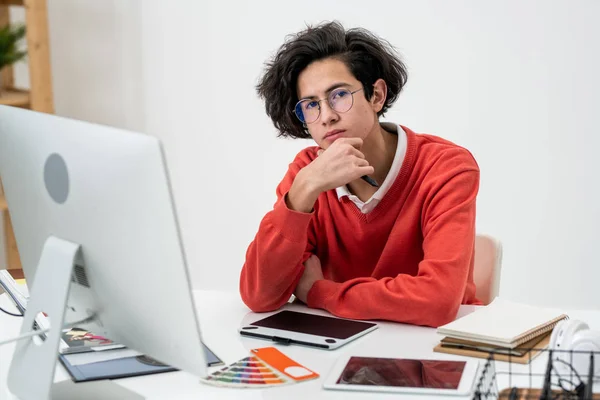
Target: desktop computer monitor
x=107 y=191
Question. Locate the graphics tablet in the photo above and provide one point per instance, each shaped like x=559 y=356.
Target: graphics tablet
x=397 y=375
x=292 y=327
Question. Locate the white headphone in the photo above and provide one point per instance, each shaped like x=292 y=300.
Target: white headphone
x=575 y=335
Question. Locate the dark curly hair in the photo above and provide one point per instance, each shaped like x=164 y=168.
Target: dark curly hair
x=367 y=56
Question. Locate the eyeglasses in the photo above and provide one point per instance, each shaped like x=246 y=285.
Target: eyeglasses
x=340 y=100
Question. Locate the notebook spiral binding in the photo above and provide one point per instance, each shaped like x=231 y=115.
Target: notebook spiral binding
x=560 y=380
x=533 y=333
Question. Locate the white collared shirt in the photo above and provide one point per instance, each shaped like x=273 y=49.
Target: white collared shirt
x=370 y=204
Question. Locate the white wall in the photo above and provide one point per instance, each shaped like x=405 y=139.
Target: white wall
x=515 y=82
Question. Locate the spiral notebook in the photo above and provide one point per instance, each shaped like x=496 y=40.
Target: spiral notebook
x=503 y=323
x=520 y=355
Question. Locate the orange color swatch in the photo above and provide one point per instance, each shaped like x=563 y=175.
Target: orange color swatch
x=284 y=364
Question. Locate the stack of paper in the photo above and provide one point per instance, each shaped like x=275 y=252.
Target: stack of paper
x=505 y=328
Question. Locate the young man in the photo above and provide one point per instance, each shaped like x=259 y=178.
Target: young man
x=399 y=251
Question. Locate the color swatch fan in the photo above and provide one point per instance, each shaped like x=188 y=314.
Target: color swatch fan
x=268 y=367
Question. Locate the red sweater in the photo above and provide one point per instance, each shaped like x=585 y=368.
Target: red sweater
x=409 y=260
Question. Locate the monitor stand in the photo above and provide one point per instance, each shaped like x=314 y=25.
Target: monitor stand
x=31 y=373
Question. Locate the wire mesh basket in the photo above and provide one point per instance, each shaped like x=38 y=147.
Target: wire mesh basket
x=567 y=374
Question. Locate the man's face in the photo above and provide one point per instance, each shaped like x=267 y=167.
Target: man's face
x=318 y=81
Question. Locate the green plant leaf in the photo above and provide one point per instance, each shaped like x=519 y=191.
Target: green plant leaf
x=9 y=40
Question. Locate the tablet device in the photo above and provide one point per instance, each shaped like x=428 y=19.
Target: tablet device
x=400 y=375
x=292 y=327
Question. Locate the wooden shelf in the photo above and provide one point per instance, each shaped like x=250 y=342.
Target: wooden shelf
x=12 y=2
x=16 y=274
x=15 y=98
x=37 y=98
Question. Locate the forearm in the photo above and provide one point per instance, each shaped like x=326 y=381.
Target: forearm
x=303 y=194
x=406 y=299
x=274 y=259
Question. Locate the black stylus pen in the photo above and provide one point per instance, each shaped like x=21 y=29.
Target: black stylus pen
x=369 y=180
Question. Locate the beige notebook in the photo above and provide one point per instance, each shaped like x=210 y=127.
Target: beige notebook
x=503 y=323
x=525 y=358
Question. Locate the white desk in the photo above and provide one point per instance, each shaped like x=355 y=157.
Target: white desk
x=221 y=313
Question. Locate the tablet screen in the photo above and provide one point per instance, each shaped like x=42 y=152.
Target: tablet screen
x=314 y=324
x=397 y=372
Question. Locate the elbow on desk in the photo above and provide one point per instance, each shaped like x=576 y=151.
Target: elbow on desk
x=261 y=295
x=257 y=303
x=253 y=294
x=442 y=319
x=441 y=313
x=259 y=307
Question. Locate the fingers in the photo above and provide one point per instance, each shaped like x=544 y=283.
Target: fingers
x=313 y=262
x=349 y=151
x=357 y=153
x=354 y=142
x=345 y=147
x=363 y=167
x=311 y=259
x=367 y=170
x=361 y=162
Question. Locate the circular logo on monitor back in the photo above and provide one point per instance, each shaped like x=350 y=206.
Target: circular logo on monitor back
x=56 y=178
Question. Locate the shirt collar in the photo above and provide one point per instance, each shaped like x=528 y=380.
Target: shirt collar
x=342 y=191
